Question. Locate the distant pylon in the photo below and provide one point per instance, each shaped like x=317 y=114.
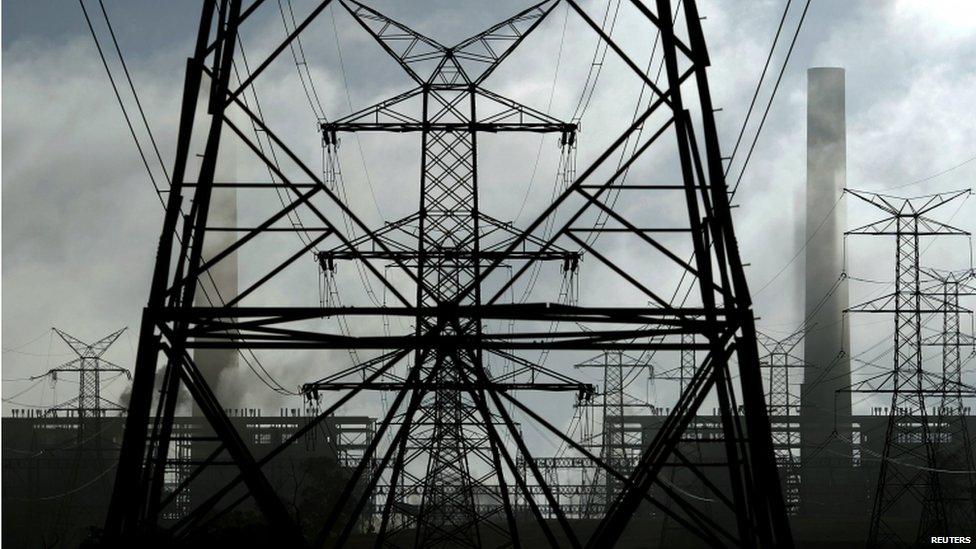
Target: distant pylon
x=909 y=459
x=89 y=365
x=955 y=452
x=613 y=441
x=784 y=409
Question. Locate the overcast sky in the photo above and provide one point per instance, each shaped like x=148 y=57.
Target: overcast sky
x=80 y=218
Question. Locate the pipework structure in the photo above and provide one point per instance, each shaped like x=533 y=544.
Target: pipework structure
x=908 y=482
x=445 y=403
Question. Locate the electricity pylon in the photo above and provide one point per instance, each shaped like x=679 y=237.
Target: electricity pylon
x=449 y=107
x=90 y=366
x=784 y=409
x=957 y=486
x=613 y=440
x=93 y=451
x=909 y=458
x=450 y=274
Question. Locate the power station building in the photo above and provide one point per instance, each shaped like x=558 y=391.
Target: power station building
x=58 y=471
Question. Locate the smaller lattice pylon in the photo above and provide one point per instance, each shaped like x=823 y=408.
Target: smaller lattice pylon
x=779 y=358
x=89 y=365
x=955 y=453
x=784 y=407
x=613 y=442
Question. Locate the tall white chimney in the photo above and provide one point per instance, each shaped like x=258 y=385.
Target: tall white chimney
x=823 y=407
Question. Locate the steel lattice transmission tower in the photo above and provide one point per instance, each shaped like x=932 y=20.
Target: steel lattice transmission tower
x=459 y=264
x=909 y=459
x=90 y=366
x=449 y=107
x=613 y=439
x=958 y=490
x=784 y=409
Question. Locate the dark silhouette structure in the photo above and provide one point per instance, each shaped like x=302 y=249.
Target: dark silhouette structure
x=909 y=484
x=89 y=366
x=784 y=409
x=449 y=434
x=957 y=475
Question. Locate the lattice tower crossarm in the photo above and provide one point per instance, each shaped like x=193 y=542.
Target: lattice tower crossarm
x=903 y=489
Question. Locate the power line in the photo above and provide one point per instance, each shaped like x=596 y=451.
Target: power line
x=755 y=95
x=596 y=66
x=295 y=217
x=309 y=88
x=803 y=247
x=25 y=353
x=21 y=346
x=319 y=112
x=772 y=96
x=28 y=388
x=933 y=176
x=159 y=192
x=69 y=492
x=602 y=217
x=552 y=95
x=345 y=85
x=796 y=33
x=132 y=87
x=118 y=97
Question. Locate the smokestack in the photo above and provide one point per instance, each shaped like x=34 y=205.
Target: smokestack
x=827 y=336
x=219 y=366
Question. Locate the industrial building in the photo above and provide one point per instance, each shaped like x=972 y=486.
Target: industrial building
x=57 y=471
